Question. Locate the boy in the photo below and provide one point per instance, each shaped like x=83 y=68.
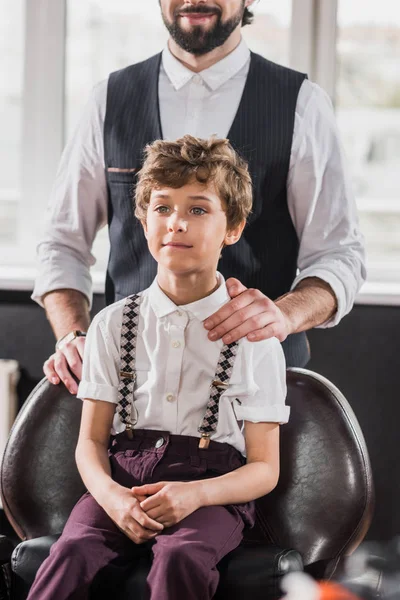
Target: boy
x=183 y=411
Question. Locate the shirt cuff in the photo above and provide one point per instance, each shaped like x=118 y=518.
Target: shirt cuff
x=262 y=414
x=337 y=287
x=56 y=273
x=97 y=391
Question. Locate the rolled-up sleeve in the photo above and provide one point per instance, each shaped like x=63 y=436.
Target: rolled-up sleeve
x=266 y=400
x=321 y=203
x=100 y=376
x=77 y=208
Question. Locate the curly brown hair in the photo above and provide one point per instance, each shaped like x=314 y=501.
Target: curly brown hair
x=174 y=164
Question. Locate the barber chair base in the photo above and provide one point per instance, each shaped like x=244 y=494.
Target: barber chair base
x=249 y=571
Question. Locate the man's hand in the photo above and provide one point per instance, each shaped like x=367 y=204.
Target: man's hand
x=169 y=501
x=66 y=360
x=249 y=314
x=124 y=509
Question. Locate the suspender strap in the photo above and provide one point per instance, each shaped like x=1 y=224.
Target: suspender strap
x=220 y=383
x=127 y=372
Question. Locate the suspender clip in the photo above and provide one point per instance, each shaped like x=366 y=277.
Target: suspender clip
x=129 y=431
x=220 y=384
x=204 y=441
x=128 y=375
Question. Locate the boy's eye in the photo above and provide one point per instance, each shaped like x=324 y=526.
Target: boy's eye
x=198 y=211
x=162 y=209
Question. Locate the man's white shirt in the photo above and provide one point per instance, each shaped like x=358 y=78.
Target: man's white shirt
x=320 y=200
x=175 y=365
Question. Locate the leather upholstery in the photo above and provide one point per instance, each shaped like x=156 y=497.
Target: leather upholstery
x=321 y=507
x=255 y=570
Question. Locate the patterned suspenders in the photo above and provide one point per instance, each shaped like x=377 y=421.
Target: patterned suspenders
x=127 y=374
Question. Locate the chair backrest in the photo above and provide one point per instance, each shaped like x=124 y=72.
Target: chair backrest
x=322 y=505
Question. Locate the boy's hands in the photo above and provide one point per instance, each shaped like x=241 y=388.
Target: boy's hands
x=169 y=501
x=123 y=507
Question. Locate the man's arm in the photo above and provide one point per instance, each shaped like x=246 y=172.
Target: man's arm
x=255 y=316
x=66 y=310
x=331 y=252
x=76 y=211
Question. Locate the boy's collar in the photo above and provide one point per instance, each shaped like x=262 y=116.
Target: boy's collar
x=201 y=309
x=214 y=76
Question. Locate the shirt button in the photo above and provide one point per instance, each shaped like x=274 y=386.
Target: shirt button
x=159 y=442
x=176 y=344
x=179 y=313
x=170 y=397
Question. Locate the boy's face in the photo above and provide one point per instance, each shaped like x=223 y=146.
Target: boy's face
x=187 y=227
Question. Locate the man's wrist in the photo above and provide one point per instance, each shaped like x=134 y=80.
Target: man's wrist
x=68 y=337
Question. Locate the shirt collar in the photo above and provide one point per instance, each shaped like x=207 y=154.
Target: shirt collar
x=201 y=309
x=214 y=76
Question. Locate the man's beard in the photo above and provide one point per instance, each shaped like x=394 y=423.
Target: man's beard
x=198 y=41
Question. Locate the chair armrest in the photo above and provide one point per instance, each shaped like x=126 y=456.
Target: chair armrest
x=6 y=549
x=29 y=555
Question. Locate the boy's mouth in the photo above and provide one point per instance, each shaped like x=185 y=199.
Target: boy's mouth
x=177 y=245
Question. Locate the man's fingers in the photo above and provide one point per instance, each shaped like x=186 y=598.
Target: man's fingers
x=80 y=346
x=49 y=371
x=234 y=287
x=61 y=368
x=273 y=330
x=74 y=359
x=238 y=303
x=247 y=318
x=261 y=323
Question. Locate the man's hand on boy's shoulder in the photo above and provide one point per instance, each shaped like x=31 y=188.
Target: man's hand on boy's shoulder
x=249 y=314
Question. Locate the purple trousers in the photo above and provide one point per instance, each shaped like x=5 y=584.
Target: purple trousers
x=184 y=556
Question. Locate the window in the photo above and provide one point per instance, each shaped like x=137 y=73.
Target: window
x=11 y=77
x=368 y=112
x=269 y=34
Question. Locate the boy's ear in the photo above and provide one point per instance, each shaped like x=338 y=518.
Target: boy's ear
x=233 y=235
x=144 y=225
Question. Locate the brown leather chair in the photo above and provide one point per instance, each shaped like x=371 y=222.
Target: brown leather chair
x=319 y=512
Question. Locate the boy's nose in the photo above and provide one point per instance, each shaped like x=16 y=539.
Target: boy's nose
x=177 y=224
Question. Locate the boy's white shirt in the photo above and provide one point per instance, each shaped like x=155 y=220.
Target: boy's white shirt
x=175 y=364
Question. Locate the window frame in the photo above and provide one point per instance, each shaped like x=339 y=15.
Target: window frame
x=313 y=40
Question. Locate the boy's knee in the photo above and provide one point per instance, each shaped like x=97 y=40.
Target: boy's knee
x=176 y=554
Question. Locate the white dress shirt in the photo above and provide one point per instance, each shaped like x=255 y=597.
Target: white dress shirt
x=319 y=194
x=175 y=365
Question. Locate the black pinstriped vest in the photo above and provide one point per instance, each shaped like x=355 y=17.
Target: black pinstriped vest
x=262 y=131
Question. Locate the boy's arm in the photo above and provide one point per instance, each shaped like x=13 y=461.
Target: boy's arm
x=170 y=502
x=94 y=466
x=256 y=478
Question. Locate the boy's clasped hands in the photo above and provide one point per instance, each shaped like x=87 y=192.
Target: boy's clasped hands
x=143 y=512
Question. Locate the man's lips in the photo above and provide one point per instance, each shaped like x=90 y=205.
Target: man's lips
x=197 y=17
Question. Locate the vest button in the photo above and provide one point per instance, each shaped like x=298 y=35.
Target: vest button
x=159 y=442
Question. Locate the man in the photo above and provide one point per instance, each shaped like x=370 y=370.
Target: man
x=206 y=81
